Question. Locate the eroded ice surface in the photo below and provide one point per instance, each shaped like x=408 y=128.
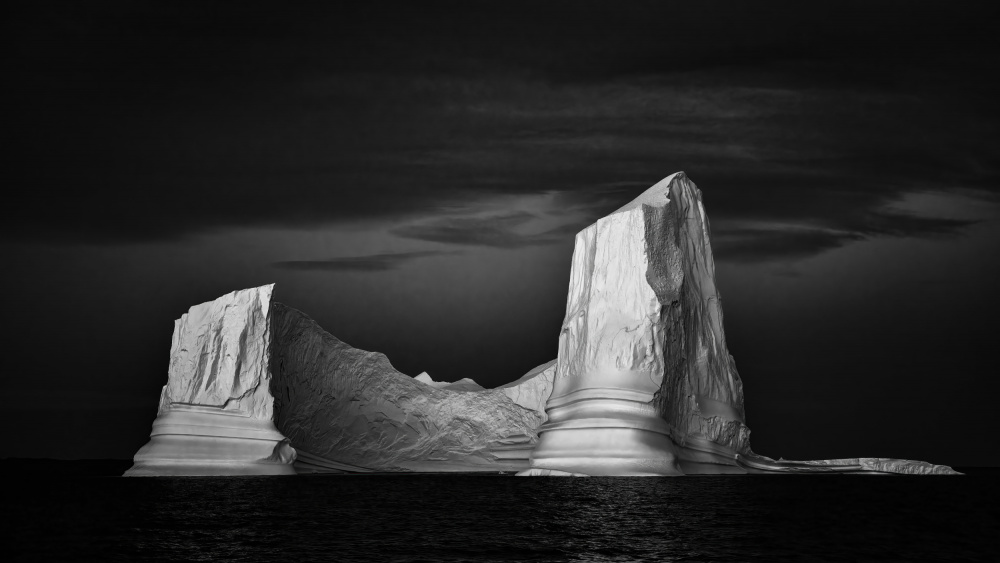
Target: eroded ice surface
x=342 y=406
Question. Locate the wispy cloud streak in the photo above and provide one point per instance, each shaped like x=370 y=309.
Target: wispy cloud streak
x=785 y=243
x=368 y=263
x=498 y=231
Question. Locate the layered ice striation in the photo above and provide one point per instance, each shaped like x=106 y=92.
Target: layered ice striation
x=216 y=410
x=346 y=409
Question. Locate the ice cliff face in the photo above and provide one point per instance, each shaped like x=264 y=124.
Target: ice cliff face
x=700 y=395
x=348 y=409
x=216 y=410
x=219 y=355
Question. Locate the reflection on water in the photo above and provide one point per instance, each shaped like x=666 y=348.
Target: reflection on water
x=484 y=518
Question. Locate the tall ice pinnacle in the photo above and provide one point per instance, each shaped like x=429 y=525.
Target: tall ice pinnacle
x=644 y=384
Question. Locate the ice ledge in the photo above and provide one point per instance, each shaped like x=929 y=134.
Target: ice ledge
x=199 y=442
x=754 y=463
x=535 y=472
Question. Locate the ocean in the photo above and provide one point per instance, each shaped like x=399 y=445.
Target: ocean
x=93 y=515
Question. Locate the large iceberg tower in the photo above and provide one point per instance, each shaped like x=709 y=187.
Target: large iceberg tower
x=644 y=383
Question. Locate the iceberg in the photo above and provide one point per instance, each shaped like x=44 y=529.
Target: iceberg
x=257 y=388
x=645 y=385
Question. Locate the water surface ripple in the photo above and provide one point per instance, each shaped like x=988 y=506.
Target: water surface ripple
x=409 y=518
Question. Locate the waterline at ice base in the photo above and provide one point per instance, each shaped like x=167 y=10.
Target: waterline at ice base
x=643 y=384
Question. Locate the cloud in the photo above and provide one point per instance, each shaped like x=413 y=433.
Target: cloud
x=768 y=243
x=494 y=231
x=897 y=224
x=369 y=263
x=330 y=117
x=765 y=245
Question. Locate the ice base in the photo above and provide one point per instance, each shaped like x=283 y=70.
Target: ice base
x=199 y=440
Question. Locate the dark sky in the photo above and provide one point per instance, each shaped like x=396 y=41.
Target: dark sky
x=411 y=175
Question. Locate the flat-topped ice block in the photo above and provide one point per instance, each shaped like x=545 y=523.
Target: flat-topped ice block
x=216 y=410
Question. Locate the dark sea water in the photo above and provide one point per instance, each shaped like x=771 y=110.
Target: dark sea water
x=56 y=516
